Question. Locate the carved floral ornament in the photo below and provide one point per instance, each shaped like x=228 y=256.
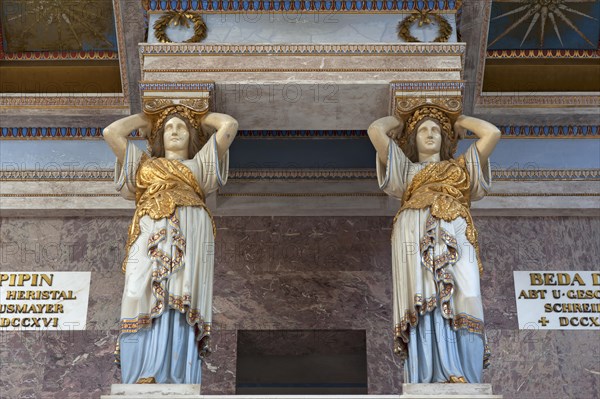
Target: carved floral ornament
x=424 y=17
x=180 y=18
x=406 y=105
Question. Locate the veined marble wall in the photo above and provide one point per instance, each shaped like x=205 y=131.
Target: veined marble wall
x=299 y=273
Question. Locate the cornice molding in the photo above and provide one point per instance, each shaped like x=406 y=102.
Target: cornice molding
x=92 y=55
x=195 y=49
x=62 y=100
x=295 y=198
x=539 y=100
x=53 y=174
x=571 y=54
x=297 y=6
x=508 y=132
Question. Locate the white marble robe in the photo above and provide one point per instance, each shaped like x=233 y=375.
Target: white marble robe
x=413 y=283
x=190 y=287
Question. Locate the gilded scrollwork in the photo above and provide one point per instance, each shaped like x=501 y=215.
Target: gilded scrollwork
x=407 y=104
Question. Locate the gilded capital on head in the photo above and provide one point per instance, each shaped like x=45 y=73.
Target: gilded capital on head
x=159 y=110
x=421 y=114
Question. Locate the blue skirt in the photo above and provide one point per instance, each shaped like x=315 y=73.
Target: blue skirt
x=167 y=352
x=437 y=353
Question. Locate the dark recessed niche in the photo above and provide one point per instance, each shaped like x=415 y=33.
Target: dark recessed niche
x=301 y=362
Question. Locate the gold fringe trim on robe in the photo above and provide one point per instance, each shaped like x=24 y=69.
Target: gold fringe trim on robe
x=161 y=186
x=445 y=188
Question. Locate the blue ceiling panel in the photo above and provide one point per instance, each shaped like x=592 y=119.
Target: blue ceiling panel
x=286 y=153
x=533 y=24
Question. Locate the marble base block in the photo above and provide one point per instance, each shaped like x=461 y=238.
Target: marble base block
x=413 y=391
x=450 y=391
x=173 y=391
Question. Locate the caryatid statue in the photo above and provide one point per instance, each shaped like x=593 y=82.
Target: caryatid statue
x=166 y=308
x=437 y=308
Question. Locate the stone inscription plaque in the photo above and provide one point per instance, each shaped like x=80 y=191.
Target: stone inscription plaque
x=558 y=300
x=44 y=300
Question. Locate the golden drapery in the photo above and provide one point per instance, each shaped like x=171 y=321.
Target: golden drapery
x=445 y=188
x=161 y=186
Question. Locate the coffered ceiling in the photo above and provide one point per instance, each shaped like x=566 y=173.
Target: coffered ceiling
x=57 y=46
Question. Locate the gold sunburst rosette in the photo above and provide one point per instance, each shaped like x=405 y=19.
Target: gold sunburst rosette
x=159 y=109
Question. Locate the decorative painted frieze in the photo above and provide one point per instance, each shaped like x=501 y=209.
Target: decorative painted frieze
x=510 y=132
x=294 y=6
x=293 y=174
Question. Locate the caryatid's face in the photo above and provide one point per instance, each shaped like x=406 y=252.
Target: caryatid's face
x=429 y=138
x=176 y=136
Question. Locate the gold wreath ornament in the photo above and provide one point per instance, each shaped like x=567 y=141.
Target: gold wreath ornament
x=180 y=18
x=424 y=17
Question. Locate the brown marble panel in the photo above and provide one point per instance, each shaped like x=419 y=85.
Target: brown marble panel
x=525 y=364
x=89 y=358
x=23 y=359
x=578 y=355
x=275 y=273
x=218 y=370
x=548 y=243
x=52 y=364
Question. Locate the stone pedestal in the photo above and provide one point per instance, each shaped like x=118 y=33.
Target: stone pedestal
x=412 y=391
x=149 y=391
x=448 y=391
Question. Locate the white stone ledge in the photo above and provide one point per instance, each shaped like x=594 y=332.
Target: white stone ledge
x=447 y=389
x=137 y=396
x=410 y=391
x=409 y=396
x=296 y=198
x=155 y=389
x=548 y=116
x=443 y=396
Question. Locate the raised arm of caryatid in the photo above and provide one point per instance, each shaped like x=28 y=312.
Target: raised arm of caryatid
x=226 y=127
x=488 y=135
x=378 y=133
x=116 y=133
